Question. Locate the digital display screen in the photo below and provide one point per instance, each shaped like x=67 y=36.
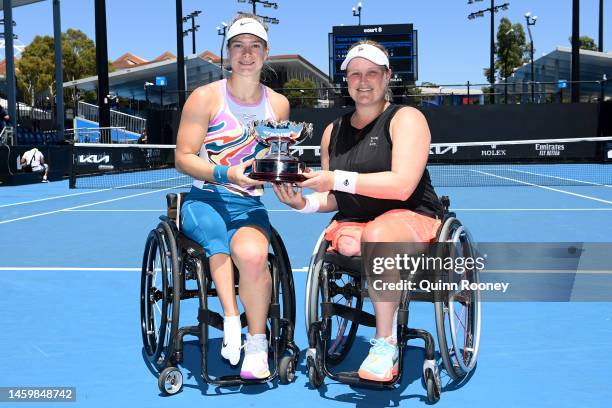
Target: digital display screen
x=398 y=39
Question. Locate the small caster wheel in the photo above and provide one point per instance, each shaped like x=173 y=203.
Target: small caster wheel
x=286 y=370
x=170 y=381
x=314 y=377
x=432 y=383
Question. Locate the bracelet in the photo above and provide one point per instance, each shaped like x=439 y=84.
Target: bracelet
x=345 y=181
x=220 y=174
x=312 y=204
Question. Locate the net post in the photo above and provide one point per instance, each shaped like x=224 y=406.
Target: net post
x=72 y=179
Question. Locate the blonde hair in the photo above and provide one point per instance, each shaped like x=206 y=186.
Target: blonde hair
x=388 y=92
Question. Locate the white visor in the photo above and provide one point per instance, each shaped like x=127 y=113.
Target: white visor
x=247 y=26
x=367 y=51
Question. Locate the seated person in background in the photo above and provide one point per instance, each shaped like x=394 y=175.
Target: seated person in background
x=143 y=139
x=34 y=161
x=373 y=173
x=4 y=118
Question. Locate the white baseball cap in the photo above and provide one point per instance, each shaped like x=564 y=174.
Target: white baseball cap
x=367 y=51
x=247 y=25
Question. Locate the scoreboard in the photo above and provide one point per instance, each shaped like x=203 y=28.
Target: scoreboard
x=400 y=40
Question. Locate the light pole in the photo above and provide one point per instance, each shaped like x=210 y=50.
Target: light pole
x=266 y=4
x=575 y=51
x=531 y=21
x=601 y=13
x=480 y=13
x=180 y=56
x=193 y=28
x=357 y=12
x=222 y=30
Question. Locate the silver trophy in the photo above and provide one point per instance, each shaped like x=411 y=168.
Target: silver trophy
x=278 y=165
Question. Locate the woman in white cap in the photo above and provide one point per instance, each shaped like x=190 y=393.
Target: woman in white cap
x=223 y=211
x=373 y=173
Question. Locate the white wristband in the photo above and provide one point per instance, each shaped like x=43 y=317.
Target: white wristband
x=345 y=181
x=312 y=204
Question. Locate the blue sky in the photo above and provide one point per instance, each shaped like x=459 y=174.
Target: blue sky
x=452 y=49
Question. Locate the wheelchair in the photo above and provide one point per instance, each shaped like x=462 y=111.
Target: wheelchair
x=334 y=300
x=170 y=262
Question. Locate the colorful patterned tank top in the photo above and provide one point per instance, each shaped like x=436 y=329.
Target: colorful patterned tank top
x=227 y=140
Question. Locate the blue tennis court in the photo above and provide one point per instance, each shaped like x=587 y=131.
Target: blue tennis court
x=70 y=276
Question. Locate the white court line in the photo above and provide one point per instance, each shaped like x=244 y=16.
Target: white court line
x=544 y=187
x=158 y=211
x=452 y=209
x=561 y=178
x=59 y=268
x=303 y=269
x=127 y=186
x=53 y=198
x=531 y=209
x=86 y=205
x=551 y=271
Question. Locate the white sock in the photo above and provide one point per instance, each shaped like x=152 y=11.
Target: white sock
x=232 y=339
x=232 y=329
x=258 y=337
x=258 y=341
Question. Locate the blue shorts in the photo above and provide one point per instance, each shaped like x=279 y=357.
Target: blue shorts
x=212 y=215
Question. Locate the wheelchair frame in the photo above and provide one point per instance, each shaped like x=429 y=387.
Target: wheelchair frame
x=179 y=259
x=323 y=288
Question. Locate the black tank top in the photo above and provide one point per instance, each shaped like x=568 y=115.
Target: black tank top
x=368 y=150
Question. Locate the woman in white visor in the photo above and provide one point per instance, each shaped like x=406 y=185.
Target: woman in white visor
x=373 y=173
x=223 y=211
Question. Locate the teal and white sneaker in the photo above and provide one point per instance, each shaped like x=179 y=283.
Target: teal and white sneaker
x=381 y=362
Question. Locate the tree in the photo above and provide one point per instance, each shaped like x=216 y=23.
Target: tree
x=511 y=49
x=301 y=94
x=79 y=57
x=586 y=43
x=36 y=68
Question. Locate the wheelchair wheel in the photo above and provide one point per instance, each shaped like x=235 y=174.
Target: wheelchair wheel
x=315 y=378
x=343 y=331
x=159 y=301
x=286 y=370
x=284 y=287
x=170 y=381
x=458 y=314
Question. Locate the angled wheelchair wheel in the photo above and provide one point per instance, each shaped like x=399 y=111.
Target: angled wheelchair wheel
x=342 y=288
x=458 y=313
x=283 y=287
x=159 y=301
x=170 y=381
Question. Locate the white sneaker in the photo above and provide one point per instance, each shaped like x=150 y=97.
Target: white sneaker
x=255 y=364
x=232 y=339
x=45 y=181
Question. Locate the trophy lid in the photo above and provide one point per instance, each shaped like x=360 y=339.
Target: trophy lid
x=293 y=132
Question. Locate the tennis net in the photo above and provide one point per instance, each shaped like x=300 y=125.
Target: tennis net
x=547 y=162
